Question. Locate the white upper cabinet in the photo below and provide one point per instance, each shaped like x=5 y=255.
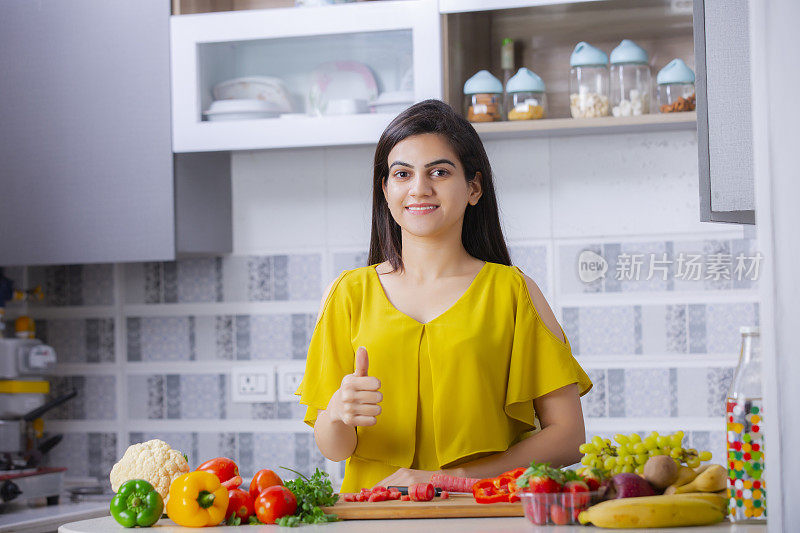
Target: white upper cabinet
x=317 y=70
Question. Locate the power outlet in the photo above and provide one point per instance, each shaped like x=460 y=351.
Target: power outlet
x=253 y=384
x=290 y=374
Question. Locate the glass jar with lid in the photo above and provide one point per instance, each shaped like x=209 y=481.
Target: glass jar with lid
x=526 y=96
x=483 y=98
x=588 y=82
x=630 y=80
x=675 y=87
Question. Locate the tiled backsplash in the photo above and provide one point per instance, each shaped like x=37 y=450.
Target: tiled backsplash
x=150 y=346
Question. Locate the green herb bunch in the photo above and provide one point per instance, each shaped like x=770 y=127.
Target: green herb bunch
x=311 y=493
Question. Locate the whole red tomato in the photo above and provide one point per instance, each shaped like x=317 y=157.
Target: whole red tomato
x=222 y=467
x=240 y=504
x=263 y=480
x=273 y=503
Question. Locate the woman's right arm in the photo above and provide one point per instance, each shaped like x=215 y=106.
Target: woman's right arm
x=355 y=403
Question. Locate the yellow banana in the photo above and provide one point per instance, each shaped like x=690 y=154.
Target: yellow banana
x=715 y=498
x=685 y=475
x=714 y=478
x=653 y=511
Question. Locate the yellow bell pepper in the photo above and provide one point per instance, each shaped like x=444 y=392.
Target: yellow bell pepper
x=197 y=499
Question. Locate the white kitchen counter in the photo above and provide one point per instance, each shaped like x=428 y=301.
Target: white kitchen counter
x=21 y=518
x=440 y=525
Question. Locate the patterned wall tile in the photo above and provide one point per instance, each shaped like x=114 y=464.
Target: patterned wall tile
x=302 y=330
x=723 y=322
x=85 y=455
x=648 y=393
x=533 y=261
x=79 y=340
x=172 y=396
x=161 y=339
x=200 y=280
x=594 y=402
x=202 y=396
x=305 y=277
x=718 y=384
x=271 y=336
x=96 y=399
x=607 y=330
x=68 y=285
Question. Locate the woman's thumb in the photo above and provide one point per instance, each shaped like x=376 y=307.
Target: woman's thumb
x=362 y=362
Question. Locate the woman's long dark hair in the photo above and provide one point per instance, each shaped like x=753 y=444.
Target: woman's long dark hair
x=481 y=233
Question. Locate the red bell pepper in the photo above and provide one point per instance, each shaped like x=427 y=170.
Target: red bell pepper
x=486 y=491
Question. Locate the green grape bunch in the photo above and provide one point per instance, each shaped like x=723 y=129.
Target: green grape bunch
x=632 y=452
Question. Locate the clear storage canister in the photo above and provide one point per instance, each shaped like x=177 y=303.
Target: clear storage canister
x=526 y=97
x=630 y=80
x=588 y=82
x=483 y=98
x=675 y=87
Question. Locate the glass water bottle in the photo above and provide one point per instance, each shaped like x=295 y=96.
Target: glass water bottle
x=745 y=423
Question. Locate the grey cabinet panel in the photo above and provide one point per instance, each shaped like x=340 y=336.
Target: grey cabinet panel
x=725 y=134
x=87 y=169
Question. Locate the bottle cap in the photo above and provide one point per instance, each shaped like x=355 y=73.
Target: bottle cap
x=586 y=55
x=628 y=52
x=676 y=71
x=749 y=330
x=525 y=81
x=483 y=82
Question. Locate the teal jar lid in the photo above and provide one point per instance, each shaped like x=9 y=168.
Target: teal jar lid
x=483 y=82
x=628 y=52
x=586 y=55
x=676 y=71
x=525 y=81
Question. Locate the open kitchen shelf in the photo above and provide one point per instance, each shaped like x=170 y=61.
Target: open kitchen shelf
x=553 y=127
x=545 y=33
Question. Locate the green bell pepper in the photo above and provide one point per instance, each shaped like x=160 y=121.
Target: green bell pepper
x=137 y=504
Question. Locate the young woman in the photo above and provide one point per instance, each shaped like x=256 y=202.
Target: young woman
x=439 y=356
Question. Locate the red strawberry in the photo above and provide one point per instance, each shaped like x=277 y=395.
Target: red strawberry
x=541 y=478
x=593 y=478
x=538 y=512
x=579 y=496
x=559 y=515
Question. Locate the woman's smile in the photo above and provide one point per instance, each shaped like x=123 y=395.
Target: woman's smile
x=421 y=209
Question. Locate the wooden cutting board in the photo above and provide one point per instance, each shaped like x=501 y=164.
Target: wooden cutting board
x=457 y=506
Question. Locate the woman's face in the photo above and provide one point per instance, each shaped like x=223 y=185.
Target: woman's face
x=426 y=189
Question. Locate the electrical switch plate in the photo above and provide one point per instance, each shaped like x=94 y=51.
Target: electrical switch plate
x=290 y=374
x=253 y=384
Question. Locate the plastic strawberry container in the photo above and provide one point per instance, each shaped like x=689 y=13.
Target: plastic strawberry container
x=557 y=508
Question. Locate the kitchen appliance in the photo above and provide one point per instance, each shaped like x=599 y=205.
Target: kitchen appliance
x=23 y=401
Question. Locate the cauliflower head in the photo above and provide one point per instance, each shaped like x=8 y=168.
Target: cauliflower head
x=154 y=461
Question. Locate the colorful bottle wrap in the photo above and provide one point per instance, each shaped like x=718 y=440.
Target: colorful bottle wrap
x=746 y=484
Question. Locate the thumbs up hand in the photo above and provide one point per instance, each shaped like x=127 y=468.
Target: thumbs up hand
x=356 y=401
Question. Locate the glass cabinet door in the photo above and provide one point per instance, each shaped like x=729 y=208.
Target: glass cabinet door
x=300 y=76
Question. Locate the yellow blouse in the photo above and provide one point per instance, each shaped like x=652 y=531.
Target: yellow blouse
x=455 y=388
